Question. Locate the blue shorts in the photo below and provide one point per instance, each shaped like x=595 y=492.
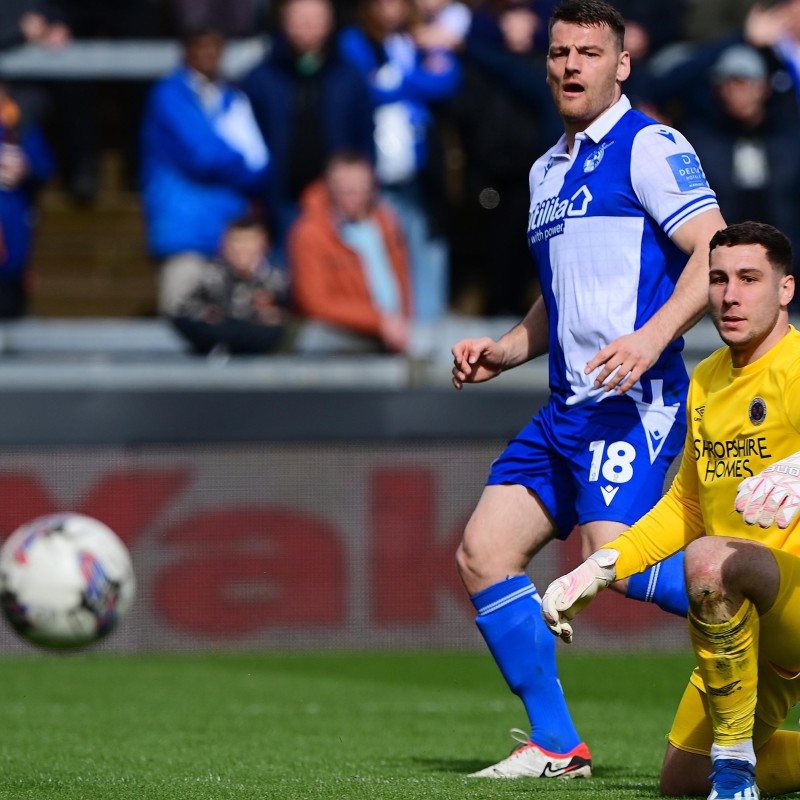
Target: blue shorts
x=603 y=461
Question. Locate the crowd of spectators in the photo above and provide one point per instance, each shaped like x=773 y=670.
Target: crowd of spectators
x=438 y=106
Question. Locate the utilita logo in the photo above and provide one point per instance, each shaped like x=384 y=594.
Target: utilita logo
x=554 y=208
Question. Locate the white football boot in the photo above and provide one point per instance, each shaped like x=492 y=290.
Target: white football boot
x=531 y=761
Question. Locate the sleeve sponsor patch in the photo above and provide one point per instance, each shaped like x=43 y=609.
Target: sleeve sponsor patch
x=687 y=171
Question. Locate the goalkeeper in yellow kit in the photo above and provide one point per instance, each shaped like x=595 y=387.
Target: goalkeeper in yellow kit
x=739 y=483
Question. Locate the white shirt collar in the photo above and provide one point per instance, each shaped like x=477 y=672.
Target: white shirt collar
x=598 y=129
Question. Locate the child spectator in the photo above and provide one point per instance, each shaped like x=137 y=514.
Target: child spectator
x=238 y=301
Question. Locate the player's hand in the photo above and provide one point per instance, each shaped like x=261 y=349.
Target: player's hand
x=624 y=361
x=771 y=496
x=476 y=360
x=568 y=595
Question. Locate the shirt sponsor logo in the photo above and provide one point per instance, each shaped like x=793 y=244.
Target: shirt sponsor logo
x=547 y=217
x=730 y=458
x=687 y=171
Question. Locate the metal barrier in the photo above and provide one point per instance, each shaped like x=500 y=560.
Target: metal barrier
x=123 y=59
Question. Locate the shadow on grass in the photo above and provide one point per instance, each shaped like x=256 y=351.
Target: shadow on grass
x=457 y=766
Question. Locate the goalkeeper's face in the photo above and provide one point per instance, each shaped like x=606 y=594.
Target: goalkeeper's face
x=748 y=300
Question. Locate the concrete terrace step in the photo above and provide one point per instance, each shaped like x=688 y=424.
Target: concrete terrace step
x=121 y=338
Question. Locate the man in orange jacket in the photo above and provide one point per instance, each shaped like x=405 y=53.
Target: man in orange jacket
x=349 y=265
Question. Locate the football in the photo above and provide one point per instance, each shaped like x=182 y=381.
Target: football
x=66 y=580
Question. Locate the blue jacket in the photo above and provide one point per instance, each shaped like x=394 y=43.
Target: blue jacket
x=17 y=205
x=345 y=110
x=433 y=77
x=193 y=181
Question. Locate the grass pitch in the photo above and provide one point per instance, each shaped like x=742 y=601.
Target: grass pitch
x=300 y=727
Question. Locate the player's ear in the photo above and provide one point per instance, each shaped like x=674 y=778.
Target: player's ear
x=624 y=66
x=787 y=289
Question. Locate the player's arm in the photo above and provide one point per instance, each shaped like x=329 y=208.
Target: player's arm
x=689 y=300
x=627 y=358
x=478 y=360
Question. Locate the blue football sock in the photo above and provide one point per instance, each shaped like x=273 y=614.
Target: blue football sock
x=510 y=620
x=662 y=584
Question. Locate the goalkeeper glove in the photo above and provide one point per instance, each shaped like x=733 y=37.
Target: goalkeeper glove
x=566 y=596
x=771 y=496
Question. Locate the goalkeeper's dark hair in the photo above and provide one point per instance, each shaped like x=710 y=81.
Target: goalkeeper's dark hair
x=590 y=13
x=775 y=242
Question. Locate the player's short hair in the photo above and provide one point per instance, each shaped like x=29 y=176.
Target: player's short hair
x=590 y=13
x=775 y=242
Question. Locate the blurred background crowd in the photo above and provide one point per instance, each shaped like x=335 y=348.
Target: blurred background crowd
x=368 y=173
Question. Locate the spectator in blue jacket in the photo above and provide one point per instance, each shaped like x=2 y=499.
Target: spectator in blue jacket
x=309 y=105
x=25 y=164
x=203 y=162
x=409 y=82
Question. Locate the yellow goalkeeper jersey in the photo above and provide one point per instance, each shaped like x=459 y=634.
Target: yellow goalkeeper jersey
x=739 y=422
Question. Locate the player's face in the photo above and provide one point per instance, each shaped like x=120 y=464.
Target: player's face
x=585 y=68
x=747 y=300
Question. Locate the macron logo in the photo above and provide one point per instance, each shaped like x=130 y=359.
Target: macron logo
x=608 y=493
x=668 y=135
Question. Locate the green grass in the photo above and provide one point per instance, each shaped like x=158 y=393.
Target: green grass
x=300 y=727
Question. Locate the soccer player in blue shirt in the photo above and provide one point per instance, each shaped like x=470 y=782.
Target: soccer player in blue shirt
x=620 y=220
